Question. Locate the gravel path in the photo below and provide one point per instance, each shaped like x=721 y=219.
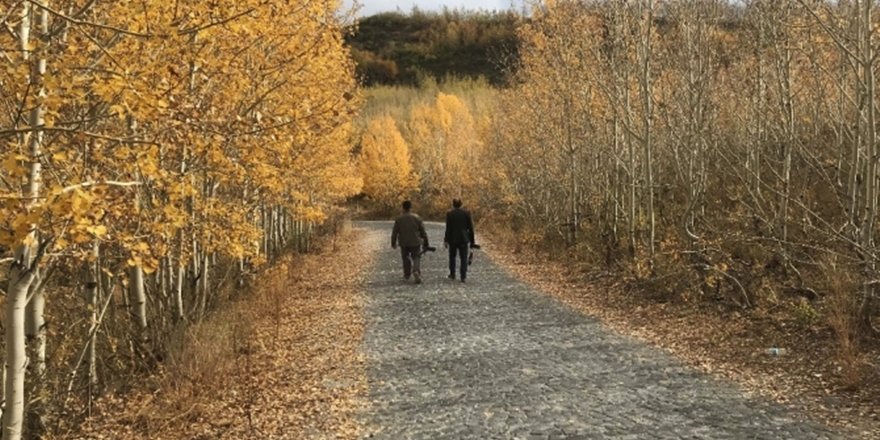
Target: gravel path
x=494 y=359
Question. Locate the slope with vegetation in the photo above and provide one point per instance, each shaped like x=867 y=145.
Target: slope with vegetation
x=405 y=49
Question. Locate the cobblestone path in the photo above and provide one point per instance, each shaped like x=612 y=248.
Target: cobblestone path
x=494 y=359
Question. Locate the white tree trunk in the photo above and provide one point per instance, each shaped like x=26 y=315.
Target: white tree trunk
x=34 y=321
x=16 y=360
x=23 y=270
x=265 y=224
x=646 y=88
x=867 y=238
x=197 y=275
x=35 y=326
x=92 y=291
x=35 y=337
x=138 y=297
x=205 y=284
x=3 y=395
x=179 y=280
x=273 y=231
x=784 y=71
x=617 y=180
x=633 y=176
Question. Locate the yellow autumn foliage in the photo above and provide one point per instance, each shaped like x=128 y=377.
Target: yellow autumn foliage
x=447 y=151
x=172 y=135
x=202 y=108
x=385 y=164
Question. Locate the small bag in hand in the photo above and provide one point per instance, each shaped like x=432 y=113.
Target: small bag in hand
x=471 y=254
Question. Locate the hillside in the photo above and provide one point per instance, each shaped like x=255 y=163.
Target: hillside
x=403 y=49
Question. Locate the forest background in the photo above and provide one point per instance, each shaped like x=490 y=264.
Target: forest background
x=717 y=158
x=156 y=159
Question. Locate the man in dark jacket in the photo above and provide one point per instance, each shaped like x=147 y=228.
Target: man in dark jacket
x=459 y=236
x=409 y=231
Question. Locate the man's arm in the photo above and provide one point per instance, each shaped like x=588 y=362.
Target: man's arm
x=447 y=234
x=470 y=225
x=423 y=233
x=394 y=233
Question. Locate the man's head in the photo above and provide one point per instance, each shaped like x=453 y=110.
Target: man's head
x=456 y=203
x=407 y=205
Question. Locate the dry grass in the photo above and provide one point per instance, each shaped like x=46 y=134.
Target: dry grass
x=281 y=363
x=715 y=337
x=842 y=311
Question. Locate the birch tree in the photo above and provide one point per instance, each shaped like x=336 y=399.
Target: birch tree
x=27 y=243
x=108 y=137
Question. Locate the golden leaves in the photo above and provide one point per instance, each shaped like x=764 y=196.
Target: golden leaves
x=385 y=162
x=13 y=165
x=447 y=148
x=217 y=109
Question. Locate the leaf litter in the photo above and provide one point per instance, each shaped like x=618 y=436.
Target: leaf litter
x=296 y=371
x=711 y=338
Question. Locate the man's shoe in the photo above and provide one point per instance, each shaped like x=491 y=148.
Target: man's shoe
x=462 y=280
x=451 y=276
x=406 y=277
x=418 y=279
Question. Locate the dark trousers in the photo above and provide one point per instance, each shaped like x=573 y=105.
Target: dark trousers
x=460 y=251
x=412 y=258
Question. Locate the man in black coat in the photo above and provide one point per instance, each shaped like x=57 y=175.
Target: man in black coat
x=459 y=237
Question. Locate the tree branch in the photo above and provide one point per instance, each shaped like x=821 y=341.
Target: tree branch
x=56 y=129
x=742 y=289
x=101 y=183
x=197 y=29
x=87 y=23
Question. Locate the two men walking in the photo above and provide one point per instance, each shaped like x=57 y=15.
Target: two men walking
x=409 y=233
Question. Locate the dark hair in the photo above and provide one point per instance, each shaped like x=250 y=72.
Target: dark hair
x=456 y=203
x=407 y=205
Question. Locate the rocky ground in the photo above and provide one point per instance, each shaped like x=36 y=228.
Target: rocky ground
x=338 y=345
x=495 y=358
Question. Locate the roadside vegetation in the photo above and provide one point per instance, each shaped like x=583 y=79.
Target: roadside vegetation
x=699 y=153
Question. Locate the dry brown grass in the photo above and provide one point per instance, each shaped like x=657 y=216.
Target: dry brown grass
x=280 y=363
x=715 y=336
x=842 y=310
